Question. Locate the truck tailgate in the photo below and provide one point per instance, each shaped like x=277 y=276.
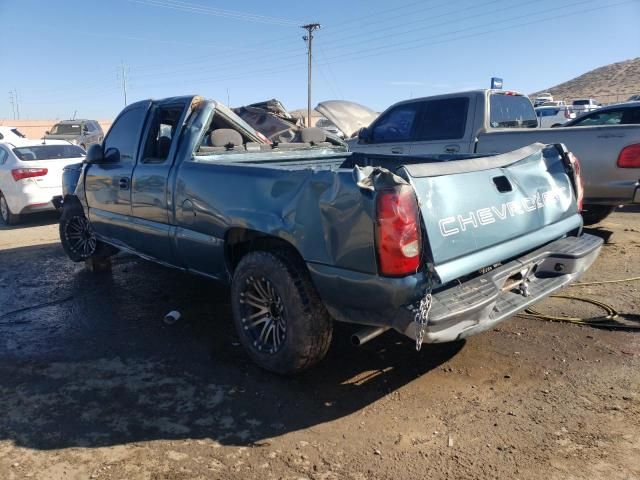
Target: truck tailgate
x=481 y=211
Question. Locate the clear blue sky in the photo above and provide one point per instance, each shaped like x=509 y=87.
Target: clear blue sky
x=63 y=56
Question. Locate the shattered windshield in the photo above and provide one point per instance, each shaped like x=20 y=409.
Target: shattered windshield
x=272 y=127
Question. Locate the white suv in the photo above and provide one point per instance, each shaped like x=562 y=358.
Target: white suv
x=553 y=116
x=583 y=105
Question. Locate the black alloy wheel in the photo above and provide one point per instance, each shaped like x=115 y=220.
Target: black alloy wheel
x=263 y=314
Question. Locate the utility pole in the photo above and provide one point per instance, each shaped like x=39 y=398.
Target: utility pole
x=15 y=95
x=13 y=104
x=310 y=28
x=124 y=71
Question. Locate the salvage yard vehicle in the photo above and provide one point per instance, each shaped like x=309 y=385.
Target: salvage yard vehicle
x=498 y=121
x=78 y=132
x=306 y=234
x=542 y=98
x=553 y=116
x=582 y=105
x=619 y=114
x=12 y=135
x=348 y=117
x=31 y=175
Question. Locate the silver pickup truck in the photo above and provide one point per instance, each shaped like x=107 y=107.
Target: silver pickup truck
x=498 y=121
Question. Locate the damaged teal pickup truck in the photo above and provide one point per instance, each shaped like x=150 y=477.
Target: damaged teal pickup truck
x=436 y=247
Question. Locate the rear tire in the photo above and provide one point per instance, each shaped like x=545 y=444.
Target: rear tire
x=6 y=216
x=77 y=237
x=281 y=322
x=596 y=213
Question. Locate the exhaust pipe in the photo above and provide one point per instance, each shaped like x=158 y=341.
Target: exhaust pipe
x=363 y=336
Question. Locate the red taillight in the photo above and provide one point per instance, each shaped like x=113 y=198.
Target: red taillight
x=630 y=157
x=398 y=232
x=20 y=173
x=575 y=164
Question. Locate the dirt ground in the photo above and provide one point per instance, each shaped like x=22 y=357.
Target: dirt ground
x=93 y=384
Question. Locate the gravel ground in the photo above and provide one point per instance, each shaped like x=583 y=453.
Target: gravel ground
x=93 y=385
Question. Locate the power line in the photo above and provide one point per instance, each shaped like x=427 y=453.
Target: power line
x=437 y=38
x=284 y=68
x=412 y=44
x=258 y=47
x=205 y=10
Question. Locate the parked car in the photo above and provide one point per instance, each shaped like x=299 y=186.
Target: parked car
x=274 y=122
x=328 y=126
x=31 y=175
x=77 y=132
x=582 y=105
x=634 y=98
x=620 y=114
x=310 y=233
x=554 y=103
x=553 y=116
x=348 y=117
x=542 y=98
x=12 y=135
x=496 y=121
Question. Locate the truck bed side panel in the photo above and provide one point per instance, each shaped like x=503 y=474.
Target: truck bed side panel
x=320 y=211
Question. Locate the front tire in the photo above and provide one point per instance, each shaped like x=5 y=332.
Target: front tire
x=6 y=216
x=281 y=322
x=77 y=237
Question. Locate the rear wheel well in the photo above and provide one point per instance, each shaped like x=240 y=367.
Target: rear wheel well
x=240 y=241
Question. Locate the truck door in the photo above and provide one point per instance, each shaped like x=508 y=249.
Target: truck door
x=108 y=184
x=444 y=127
x=150 y=192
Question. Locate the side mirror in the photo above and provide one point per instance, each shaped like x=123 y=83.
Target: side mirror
x=47 y=132
x=95 y=154
x=364 y=135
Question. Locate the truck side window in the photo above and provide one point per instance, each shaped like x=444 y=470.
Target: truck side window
x=396 y=125
x=122 y=139
x=162 y=130
x=443 y=119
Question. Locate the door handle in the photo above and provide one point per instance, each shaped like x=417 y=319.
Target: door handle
x=397 y=150
x=452 y=148
x=124 y=183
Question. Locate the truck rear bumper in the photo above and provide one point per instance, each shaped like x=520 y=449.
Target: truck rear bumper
x=464 y=309
x=481 y=303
